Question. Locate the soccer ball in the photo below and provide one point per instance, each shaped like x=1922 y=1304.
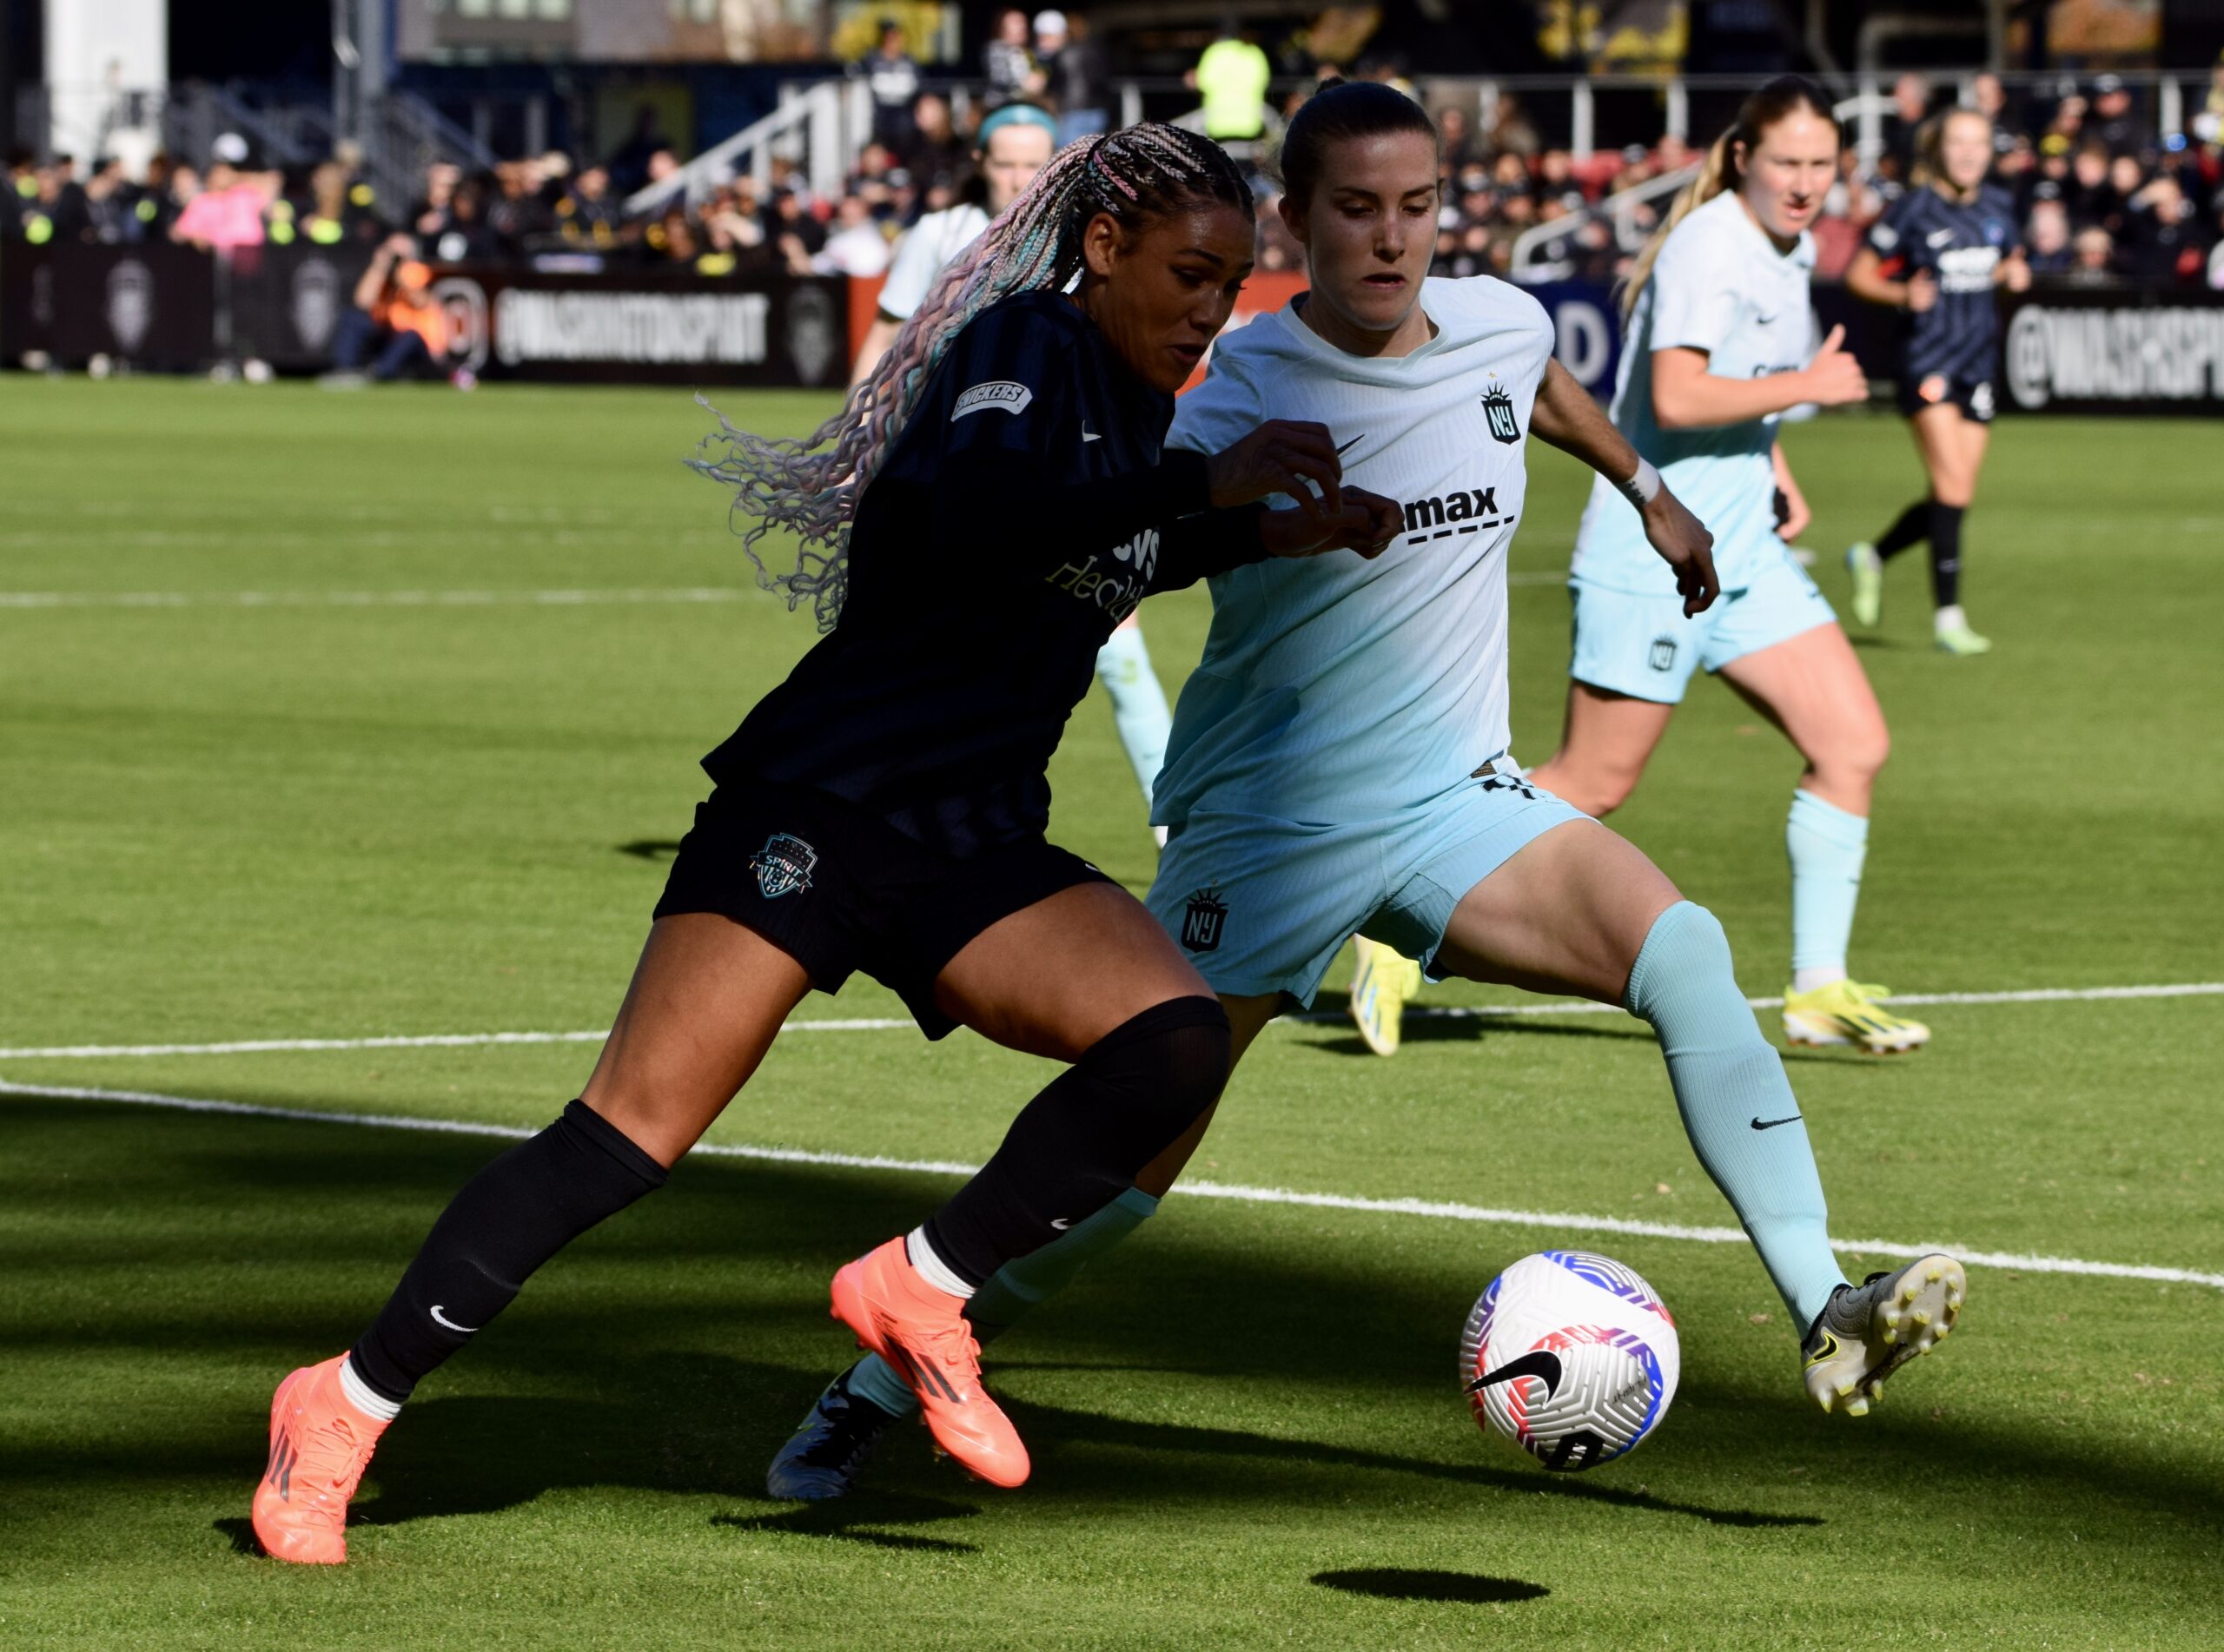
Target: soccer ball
x=1571 y=1357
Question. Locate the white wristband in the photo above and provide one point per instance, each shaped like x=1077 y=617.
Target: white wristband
x=1643 y=487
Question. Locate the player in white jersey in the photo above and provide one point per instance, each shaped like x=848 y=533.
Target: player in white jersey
x=1339 y=759
x=1015 y=145
x=1719 y=345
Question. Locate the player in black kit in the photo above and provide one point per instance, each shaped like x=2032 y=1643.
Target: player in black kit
x=989 y=505
x=1937 y=254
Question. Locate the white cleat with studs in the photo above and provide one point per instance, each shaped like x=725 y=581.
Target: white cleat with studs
x=1869 y=1330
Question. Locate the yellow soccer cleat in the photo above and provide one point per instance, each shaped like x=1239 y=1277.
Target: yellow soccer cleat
x=1383 y=980
x=1845 y=1012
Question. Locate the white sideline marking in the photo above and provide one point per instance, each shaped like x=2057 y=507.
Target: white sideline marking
x=362 y=598
x=1444 y=1209
x=888 y=1024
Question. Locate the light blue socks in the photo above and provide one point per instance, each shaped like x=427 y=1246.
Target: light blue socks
x=1737 y=1105
x=1138 y=702
x=1827 y=847
x=1015 y=1288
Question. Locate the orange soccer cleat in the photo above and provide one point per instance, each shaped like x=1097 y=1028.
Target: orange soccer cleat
x=923 y=1334
x=319 y=1446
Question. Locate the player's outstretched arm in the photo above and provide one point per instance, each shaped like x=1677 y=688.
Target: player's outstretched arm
x=1567 y=417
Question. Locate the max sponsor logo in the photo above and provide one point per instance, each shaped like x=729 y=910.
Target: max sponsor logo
x=1473 y=505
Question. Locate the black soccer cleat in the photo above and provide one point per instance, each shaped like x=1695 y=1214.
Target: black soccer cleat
x=821 y=1458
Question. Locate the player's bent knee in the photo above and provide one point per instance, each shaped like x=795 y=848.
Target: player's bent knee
x=1171 y=1061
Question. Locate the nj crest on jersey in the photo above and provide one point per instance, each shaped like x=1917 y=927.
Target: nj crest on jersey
x=1498 y=407
x=784 y=865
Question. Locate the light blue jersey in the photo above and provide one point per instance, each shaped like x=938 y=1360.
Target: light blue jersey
x=1334 y=690
x=1718 y=285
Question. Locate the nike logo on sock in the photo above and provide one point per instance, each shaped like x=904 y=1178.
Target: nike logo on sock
x=440 y=1318
x=1060 y=1223
x=1089 y=435
x=1772 y=1123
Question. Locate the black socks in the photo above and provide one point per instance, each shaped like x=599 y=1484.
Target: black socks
x=509 y=1218
x=1945 y=554
x=1912 y=527
x=1942 y=525
x=1078 y=1145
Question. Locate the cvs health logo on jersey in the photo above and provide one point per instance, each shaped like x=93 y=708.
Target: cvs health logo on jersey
x=1119 y=587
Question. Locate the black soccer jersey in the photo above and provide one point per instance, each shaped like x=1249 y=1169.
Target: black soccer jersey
x=1023 y=512
x=1961 y=246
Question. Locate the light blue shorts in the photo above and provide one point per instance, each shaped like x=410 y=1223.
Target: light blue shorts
x=1263 y=905
x=1642 y=645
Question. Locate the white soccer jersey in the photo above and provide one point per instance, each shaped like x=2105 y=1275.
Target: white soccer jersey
x=1719 y=285
x=926 y=247
x=1333 y=689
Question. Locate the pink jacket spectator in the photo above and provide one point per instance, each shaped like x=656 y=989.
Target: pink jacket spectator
x=222 y=219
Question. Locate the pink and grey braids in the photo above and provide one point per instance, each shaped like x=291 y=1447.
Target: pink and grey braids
x=811 y=486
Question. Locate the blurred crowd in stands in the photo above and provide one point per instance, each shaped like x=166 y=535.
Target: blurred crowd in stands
x=2102 y=196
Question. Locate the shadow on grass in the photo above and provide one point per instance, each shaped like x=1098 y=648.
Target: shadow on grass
x=618 y=1369
x=651 y=849
x=858 y=1518
x=1403 y=1583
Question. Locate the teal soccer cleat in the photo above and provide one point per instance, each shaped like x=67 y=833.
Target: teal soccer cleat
x=822 y=1458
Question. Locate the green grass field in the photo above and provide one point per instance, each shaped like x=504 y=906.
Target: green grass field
x=283 y=816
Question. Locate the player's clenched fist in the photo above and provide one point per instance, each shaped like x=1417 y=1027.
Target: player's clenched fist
x=1366 y=523
x=1280 y=457
x=1686 y=546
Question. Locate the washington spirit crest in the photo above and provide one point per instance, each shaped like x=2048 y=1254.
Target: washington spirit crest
x=784 y=865
x=1201 y=926
x=1498 y=407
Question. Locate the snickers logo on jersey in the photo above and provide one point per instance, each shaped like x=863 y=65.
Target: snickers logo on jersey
x=784 y=865
x=1498 y=407
x=1004 y=395
x=1201 y=924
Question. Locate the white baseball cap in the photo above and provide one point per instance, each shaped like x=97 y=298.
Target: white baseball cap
x=1050 y=23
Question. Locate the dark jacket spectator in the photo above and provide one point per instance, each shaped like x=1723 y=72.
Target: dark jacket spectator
x=893 y=78
x=1007 y=64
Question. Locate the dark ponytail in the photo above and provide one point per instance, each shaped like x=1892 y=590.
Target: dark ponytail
x=1341 y=111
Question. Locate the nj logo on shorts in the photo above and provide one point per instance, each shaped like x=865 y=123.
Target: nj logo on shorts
x=1202 y=925
x=1498 y=407
x=784 y=865
x=1664 y=654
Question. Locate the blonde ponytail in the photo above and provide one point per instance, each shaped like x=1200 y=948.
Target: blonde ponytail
x=1713 y=179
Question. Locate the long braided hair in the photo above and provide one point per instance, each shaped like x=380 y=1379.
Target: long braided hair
x=811 y=486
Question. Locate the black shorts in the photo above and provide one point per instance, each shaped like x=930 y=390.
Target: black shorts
x=838 y=889
x=1973 y=396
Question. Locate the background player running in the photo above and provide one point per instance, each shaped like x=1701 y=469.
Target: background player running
x=1325 y=778
x=884 y=808
x=1014 y=145
x=1720 y=343
x=1937 y=254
